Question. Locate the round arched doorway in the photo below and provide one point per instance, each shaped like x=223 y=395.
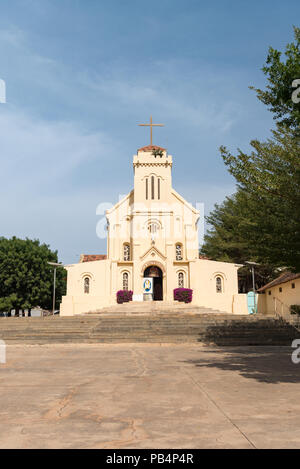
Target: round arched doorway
x=157 y=275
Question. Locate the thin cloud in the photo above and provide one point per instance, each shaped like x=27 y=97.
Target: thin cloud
x=43 y=152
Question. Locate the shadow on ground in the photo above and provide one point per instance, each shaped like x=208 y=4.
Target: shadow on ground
x=250 y=331
x=264 y=364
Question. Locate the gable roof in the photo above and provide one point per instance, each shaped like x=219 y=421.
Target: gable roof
x=153 y=249
x=205 y=258
x=92 y=257
x=185 y=202
x=111 y=210
x=283 y=278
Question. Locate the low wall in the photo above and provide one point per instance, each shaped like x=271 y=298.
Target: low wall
x=72 y=305
x=240 y=303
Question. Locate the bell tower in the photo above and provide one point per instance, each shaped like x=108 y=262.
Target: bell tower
x=152 y=176
x=152 y=173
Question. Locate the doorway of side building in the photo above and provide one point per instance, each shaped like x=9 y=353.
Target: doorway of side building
x=157 y=275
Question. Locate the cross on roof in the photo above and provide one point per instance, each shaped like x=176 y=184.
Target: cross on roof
x=151 y=125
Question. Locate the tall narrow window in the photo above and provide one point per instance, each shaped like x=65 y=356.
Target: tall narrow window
x=147 y=189
x=152 y=187
x=219 y=285
x=86 y=284
x=158 y=188
x=125 y=281
x=153 y=227
x=181 y=280
x=178 y=252
x=126 y=252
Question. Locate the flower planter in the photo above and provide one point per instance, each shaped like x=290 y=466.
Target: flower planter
x=124 y=296
x=184 y=295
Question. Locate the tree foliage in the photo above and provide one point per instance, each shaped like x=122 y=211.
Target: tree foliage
x=26 y=280
x=270 y=176
x=234 y=236
x=281 y=74
x=261 y=222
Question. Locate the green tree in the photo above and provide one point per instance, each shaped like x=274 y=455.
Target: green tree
x=26 y=279
x=226 y=239
x=261 y=222
x=270 y=176
x=281 y=74
x=234 y=236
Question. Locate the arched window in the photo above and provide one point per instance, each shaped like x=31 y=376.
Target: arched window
x=86 y=285
x=178 y=252
x=181 y=280
x=219 y=286
x=126 y=252
x=153 y=227
x=152 y=187
x=125 y=281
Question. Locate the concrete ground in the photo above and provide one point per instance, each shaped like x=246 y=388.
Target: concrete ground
x=149 y=396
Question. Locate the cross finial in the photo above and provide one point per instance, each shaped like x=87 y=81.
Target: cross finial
x=151 y=125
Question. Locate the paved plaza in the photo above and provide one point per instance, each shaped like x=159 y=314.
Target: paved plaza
x=149 y=396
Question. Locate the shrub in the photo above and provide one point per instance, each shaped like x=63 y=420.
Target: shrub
x=295 y=309
x=183 y=294
x=124 y=296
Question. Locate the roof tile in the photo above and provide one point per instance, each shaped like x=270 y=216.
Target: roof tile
x=92 y=257
x=283 y=278
x=151 y=148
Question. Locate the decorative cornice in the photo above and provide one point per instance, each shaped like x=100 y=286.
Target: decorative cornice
x=139 y=163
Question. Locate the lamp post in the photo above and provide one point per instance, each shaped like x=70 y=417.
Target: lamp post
x=252 y=264
x=55 y=265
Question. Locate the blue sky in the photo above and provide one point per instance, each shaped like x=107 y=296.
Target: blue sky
x=80 y=76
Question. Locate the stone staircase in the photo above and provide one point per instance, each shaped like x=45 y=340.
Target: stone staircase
x=155 y=307
x=154 y=327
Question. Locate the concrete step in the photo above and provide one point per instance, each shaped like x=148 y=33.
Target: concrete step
x=220 y=329
x=155 y=307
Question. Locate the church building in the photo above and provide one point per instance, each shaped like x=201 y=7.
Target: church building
x=151 y=233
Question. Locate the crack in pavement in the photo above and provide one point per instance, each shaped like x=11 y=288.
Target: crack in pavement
x=129 y=435
x=57 y=411
x=140 y=362
x=214 y=403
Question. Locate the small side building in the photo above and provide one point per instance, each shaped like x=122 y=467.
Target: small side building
x=280 y=294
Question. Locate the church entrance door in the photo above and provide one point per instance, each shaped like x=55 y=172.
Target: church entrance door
x=157 y=275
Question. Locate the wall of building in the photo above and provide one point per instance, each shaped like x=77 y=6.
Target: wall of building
x=106 y=279
x=204 y=274
x=77 y=301
x=280 y=301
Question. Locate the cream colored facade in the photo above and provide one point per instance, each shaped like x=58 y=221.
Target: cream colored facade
x=152 y=228
x=279 y=297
